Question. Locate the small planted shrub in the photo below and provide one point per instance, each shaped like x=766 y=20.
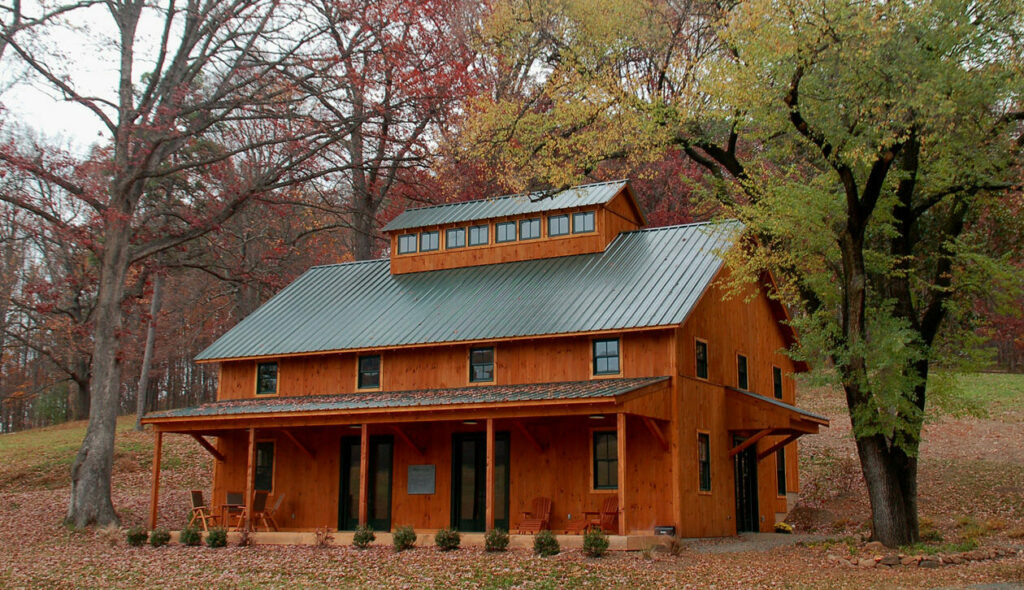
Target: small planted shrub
x=363 y=537
x=244 y=537
x=323 y=537
x=595 y=543
x=675 y=546
x=110 y=535
x=404 y=538
x=496 y=540
x=783 y=528
x=191 y=536
x=137 y=536
x=217 y=537
x=545 y=544
x=159 y=537
x=447 y=539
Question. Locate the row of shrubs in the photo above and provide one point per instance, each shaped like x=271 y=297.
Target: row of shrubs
x=595 y=542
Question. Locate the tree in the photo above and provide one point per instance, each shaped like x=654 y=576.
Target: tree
x=858 y=142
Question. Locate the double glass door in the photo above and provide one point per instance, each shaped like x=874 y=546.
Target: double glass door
x=469 y=481
x=379 y=501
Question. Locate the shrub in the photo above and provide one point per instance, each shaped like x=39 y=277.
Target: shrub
x=323 y=537
x=111 y=535
x=675 y=546
x=363 y=537
x=137 y=536
x=496 y=540
x=647 y=552
x=159 y=537
x=191 y=536
x=244 y=537
x=447 y=539
x=595 y=543
x=404 y=538
x=783 y=528
x=217 y=537
x=545 y=544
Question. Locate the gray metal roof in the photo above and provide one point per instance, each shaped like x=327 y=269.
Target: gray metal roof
x=779 y=403
x=579 y=196
x=418 y=398
x=644 y=278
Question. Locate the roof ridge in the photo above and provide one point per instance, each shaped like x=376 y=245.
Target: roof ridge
x=350 y=263
x=679 y=225
x=513 y=195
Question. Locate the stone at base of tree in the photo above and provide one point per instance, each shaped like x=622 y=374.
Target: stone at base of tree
x=867 y=563
x=874 y=547
x=910 y=560
x=928 y=562
x=891 y=559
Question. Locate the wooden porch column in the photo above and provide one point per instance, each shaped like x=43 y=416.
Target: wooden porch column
x=620 y=439
x=250 y=478
x=154 y=493
x=489 y=511
x=364 y=475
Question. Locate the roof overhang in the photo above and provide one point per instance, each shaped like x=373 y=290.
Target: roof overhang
x=750 y=412
x=645 y=397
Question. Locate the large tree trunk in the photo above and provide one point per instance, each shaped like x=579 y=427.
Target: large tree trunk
x=90 y=501
x=147 y=356
x=81 y=395
x=891 y=477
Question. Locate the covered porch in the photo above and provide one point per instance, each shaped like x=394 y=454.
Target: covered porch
x=471 y=458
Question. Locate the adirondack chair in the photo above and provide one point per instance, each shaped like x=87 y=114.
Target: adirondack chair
x=538 y=518
x=606 y=519
x=201 y=512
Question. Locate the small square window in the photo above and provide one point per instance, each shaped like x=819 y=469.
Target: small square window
x=481 y=365
x=369 y=372
x=263 y=474
x=702 y=359
x=529 y=229
x=505 y=232
x=406 y=243
x=741 y=372
x=606 y=357
x=429 y=241
x=266 y=379
x=478 y=235
x=583 y=222
x=558 y=225
x=704 y=460
x=455 y=238
x=606 y=461
x=777 y=382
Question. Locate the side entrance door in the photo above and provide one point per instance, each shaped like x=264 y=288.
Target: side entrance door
x=746 y=488
x=469 y=481
x=379 y=501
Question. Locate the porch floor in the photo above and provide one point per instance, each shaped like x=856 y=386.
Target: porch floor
x=634 y=542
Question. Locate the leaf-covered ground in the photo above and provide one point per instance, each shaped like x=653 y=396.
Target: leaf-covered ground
x=972 y=489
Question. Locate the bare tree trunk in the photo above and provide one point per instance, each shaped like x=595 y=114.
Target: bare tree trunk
x=147 y=356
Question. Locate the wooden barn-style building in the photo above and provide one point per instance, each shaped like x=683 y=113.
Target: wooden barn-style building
x=509 y=349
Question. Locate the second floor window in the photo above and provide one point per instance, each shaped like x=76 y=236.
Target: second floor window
x=702 y=359
x=777 y=382
x=406 y=243
x=505 y=232
x=583 y=222
x=606 y=356
x=429 y=241
x=266 y=379
x=741 y=372
x=478 y=235
x=558 y=225
x=369 y=372
x=481 y=365
x=455 y=238
x=529 y=229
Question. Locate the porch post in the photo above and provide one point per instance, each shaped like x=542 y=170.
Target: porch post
x=364 y=475
x=154 y=493
x=489 y=510
x=620 y=439
x=250 y=478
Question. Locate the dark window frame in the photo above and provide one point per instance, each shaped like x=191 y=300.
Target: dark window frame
x=437 y=241
x=487 y=235
x=505 y=224
x=523 y=223
x=777 y=382
x=568 y=226
x=596 y=358
x=264 y=471
x=780 y=471
x=701 y=363
x=404 y=238
x=703 y=462
x=458 y=231
x=360 y=382
x=587 y=215
x=610 y=460
x=473 y=365
x=742 y=372
x=260 y=379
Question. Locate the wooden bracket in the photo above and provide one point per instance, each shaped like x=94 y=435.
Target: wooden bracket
x=653 y=427
x=749 y=442
x=302 y=447
x=405 y=438
x=212 y=449
x=777 y=446
x=529 y=436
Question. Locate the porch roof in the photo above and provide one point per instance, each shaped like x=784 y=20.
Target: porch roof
x=457 y=397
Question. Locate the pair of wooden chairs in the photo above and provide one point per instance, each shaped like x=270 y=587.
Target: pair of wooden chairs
x=236 y=511
x=605 y=519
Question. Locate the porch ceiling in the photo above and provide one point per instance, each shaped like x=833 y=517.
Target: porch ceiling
x=640 y=396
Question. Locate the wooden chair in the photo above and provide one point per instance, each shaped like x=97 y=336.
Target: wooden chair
x=259 y=506
x=538 y=518
x=233 y=506
x=606 y=519
x=201 y=512
x=267 y=516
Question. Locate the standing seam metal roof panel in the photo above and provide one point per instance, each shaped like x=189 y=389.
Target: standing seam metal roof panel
x=644 y=278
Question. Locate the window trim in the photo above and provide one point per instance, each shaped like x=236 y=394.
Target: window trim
x=462 y=230
x=515 y=230
x=359 y=372
x=568 y=225
x=593 y=460
x=277 y=379
x=593 y=357
x=700 y=488
x=540 y=228
x=781 y=484
x=778 y=390
x=273 y=466
x=707 y=360
x=745 y=374
x=436 y=233
x=469 y=237
x=593 y=218
x=415 y=243
x=494 y=364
